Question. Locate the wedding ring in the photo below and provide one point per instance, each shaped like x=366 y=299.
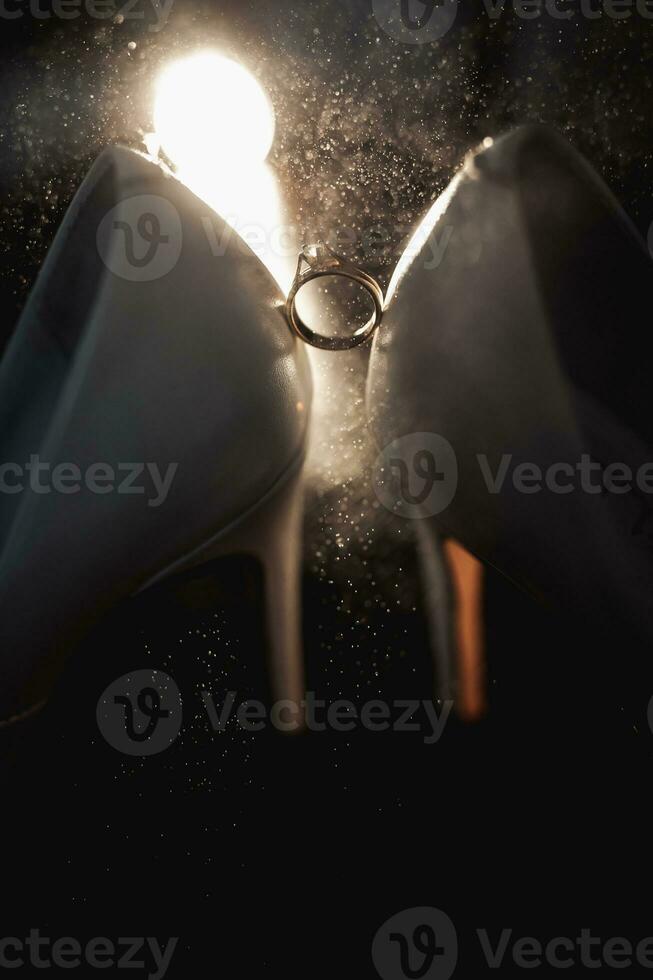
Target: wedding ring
x=316 y=261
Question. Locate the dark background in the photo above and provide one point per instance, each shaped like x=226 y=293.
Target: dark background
x=273 y=855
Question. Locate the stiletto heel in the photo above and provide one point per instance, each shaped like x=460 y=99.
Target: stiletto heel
x=438 y=602
x=281 y=557
x=466 y=576
x=452 y=584
x=272 y=533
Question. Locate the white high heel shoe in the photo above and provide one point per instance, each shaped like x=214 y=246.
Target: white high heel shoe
x=156 y=392
x=525 y=349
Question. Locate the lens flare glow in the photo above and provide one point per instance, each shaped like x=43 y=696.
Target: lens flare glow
x=216 y=124
x=206 y=103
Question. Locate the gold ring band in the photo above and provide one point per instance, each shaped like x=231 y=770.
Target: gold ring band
x=323 y=261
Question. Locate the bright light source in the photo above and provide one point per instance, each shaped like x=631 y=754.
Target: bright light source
x=209 y=107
